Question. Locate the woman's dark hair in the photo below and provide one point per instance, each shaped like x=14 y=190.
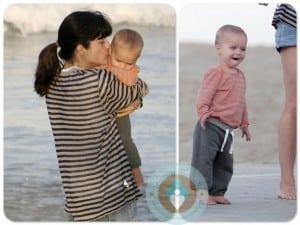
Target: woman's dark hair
x=47 y=68
x=79 y=27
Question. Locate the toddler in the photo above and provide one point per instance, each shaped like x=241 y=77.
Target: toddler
x=221 y=108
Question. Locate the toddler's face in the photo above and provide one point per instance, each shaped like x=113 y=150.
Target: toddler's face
x=232 y=49
x=123 y=58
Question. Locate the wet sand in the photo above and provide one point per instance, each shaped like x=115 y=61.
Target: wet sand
x=253 y=194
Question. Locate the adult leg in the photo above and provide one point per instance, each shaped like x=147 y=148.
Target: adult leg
x=288 y=125
x=127 y=213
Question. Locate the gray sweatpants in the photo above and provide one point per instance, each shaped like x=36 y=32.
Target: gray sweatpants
x=215 y=166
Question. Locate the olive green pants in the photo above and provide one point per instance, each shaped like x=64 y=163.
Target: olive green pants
x=124 y=127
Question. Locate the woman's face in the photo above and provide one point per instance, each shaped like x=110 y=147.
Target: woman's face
x=97 y=53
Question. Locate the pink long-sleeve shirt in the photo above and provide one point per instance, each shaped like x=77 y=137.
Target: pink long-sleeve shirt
x=126 y=76
x=222 y=95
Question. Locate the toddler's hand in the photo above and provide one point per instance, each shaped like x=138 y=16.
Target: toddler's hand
x=246 y=132
x=202 y=122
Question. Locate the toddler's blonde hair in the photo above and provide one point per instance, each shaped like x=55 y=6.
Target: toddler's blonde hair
x=228 y=29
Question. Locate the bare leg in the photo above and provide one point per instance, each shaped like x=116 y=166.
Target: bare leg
x=287 y=125
x=138 y=176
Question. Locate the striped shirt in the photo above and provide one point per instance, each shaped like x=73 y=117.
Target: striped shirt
x=285 y=13
x=222 y=95
x=93 y=164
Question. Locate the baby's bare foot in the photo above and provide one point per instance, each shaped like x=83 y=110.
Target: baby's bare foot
x=221 y=200
x=210 y=201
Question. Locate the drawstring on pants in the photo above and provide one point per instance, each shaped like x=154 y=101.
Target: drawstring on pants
x=227 y=132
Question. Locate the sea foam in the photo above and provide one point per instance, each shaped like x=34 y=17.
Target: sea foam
x=26 y=19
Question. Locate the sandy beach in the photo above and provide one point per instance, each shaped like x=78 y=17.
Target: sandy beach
x=252 y=193
x=265 y=95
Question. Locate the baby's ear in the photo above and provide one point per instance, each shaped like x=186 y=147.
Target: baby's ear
x=217 y=46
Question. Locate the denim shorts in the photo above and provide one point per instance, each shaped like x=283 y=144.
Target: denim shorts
x=285 y=36
x=125 y=214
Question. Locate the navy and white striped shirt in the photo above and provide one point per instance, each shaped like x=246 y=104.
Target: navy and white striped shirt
x=285 y=13
x=94 y=168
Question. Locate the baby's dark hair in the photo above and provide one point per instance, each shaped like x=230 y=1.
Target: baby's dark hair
x=228 y=28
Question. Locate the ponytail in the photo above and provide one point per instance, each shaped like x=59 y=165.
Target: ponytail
x=47 y=69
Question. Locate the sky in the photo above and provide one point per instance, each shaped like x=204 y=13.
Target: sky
x=198 y=22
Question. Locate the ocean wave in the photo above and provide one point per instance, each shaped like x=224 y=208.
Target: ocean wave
x=26 y=19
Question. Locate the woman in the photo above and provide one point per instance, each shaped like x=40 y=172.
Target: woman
x=285 y=23
x=81 y=103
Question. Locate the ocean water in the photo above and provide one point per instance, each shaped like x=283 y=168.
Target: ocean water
x=32 y=185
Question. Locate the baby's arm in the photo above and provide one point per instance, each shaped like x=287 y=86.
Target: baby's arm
x=205 y=96
x=135 y=105
x=126 y=76
x=114 y=95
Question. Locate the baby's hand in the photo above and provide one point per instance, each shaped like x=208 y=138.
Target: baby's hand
x=129 y=109
x=246 y=132
x=203 y=121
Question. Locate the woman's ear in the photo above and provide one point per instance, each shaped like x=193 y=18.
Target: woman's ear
x=80 y=49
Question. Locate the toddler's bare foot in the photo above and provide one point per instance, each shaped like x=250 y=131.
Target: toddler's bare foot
x=221 y=200
x=210 y=201
x=287 y=192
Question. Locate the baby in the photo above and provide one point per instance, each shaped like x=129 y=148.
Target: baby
x=126 y=48
x=221 y=108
